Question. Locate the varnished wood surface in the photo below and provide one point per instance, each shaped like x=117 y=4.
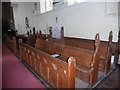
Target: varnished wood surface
x=55 y=72
x=85 y=57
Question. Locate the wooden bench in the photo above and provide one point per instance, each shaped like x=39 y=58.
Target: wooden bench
x=87 y=60
x=31 y=38
x=11 y=43
x=47 y=45
x=107 y=48
x=55 y=72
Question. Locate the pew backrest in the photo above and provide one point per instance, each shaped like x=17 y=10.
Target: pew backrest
x=44 y=45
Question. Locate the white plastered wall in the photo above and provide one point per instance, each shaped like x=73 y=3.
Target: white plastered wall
x=81 y=20
x=23 y=9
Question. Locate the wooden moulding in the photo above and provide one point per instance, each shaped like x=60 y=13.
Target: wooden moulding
x=95 y=63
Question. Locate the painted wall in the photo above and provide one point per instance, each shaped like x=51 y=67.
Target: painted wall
x=22 y=10
x=81 y=20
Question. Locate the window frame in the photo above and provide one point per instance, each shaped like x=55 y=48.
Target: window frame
x=44 y=8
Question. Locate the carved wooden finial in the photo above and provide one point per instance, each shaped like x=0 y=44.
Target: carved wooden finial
x=97 y=40
x=71 y=72
x=72 y=60
x=110 y=36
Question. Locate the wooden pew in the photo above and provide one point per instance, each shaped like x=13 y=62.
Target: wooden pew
x=31 y=38
x=11 y=43
x=55 y=72
x=43 y=36
x=87 y=60
x=106 y=49
x=39 y=34
x=44 y=45
x=47 y=45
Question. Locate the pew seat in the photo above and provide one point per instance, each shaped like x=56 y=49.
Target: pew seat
x=83 y=68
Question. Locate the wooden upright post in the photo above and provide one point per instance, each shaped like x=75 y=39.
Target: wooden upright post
x=109 y=51
x=71 y=72
x=96 y=56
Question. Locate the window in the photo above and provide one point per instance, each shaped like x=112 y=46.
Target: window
x=72 y=2
x=46 y=5
x=36 y=9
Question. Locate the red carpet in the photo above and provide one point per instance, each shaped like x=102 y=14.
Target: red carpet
x=15 y=74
